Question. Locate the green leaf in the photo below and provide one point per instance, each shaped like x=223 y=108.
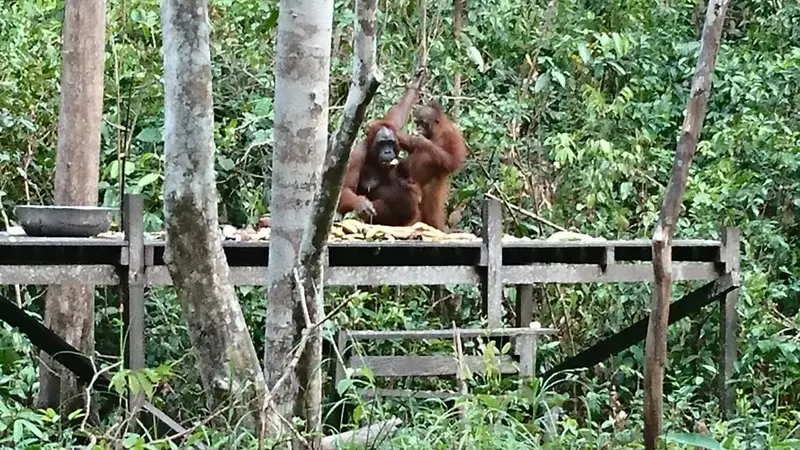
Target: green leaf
x=488 y=400
x=367 y=372
x=226 y=163
x=272 y=19
x=542 y=83
x=476 y=57
x=150 y=135
x=343 y=385
x=698 y=440
x=559 y=78
x=147 y=180
x=33 y=429
x=118 y=382
x=625 y=189
x=618 y=48
x=584 y=53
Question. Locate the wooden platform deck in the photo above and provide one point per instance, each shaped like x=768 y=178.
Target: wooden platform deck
x=35 y=260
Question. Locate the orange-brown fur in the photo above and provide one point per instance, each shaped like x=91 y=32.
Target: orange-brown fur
x=433 y=156
x=396 y=199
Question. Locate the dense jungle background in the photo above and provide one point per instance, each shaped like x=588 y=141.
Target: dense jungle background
x=571 y=109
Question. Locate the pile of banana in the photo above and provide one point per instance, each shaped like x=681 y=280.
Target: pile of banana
x=355 y=230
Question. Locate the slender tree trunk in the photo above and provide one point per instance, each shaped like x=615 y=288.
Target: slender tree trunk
x=458 y=17
x=226 y=357
x=69 y=309
x=302 y=73
x=656 y=343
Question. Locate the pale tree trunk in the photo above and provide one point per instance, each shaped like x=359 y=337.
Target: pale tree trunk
x=226 y=358
x=304 y=200
x=302 y=72
x=69 y=309
x=656 y=343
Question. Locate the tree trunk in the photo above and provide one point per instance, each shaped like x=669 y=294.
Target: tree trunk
x=458 y=17
x=69 y=309
x=299 y=277
x=226 y=357
x=302 y=73
x=656 y=343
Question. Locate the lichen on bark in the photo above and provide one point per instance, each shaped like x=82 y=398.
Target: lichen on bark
x=226 y=357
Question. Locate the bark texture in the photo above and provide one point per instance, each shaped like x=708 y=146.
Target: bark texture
x=656 y=343
x=302 y=72
x=458 y=20
x=226 y=358
x=69 y=309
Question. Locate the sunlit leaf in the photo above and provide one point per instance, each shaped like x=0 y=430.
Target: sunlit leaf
x=698 y=440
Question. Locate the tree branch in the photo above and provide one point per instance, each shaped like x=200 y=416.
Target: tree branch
x=656 y=343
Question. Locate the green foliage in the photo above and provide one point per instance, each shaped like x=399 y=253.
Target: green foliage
x=571 y=109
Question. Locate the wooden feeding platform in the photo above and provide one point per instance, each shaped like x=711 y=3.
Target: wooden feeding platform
x=135 y=260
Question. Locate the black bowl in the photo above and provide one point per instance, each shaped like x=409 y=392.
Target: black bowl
x=64 y=221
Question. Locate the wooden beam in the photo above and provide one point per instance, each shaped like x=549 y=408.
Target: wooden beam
x=347 y=276
x=99 y=274
x=78 y=363
x=492 y=259
x=593 y=273
x=132 y=284
x=106 y=274
x=689 y=304
x=406 y=393
x=728 y=322
x=427 y=366
x=466 y=333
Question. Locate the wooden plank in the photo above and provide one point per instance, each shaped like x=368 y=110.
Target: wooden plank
x=347 y=276
x=525 y=347
x=406 y=393
x=400 y=275
x=151 y=242
x=22 y=241
x=427 y=366
x=492 y=256
x=593 y=273
x=544 y=243
x=466 y=333
x=96 y=274
x=353 y=276
x=728 y=320
x=132 y=284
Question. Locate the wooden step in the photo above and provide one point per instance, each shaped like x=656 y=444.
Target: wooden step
x=466 y=333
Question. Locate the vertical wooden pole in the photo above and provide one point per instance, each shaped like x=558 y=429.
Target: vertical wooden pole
x=728 y=321
x=525 y=305
x=132 y=282
x=492 y=256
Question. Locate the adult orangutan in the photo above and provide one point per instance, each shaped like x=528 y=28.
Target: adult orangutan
x=376 y=185
x=433 y=155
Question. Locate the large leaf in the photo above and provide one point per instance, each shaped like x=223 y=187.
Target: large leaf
x=698 y=440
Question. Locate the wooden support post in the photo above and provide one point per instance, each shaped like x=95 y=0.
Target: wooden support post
x=341 y=344
x=525 y=346
x=492 y=256
x=728 y=321
x=132 y=284
x=526 y=306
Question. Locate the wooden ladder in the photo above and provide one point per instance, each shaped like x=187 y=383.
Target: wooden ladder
x=523 y=362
